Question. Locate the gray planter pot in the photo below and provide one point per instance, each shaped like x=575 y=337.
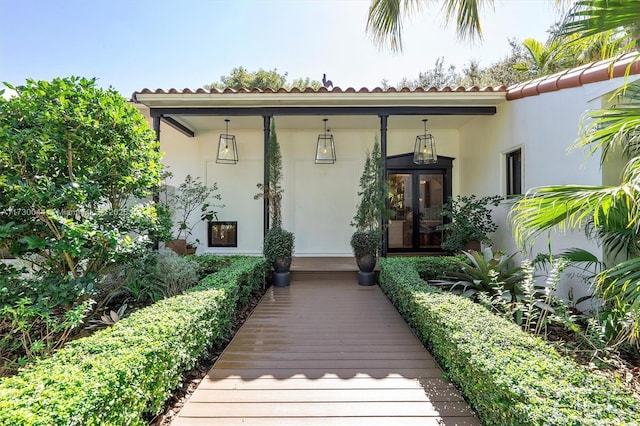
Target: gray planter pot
x=281 y=279
x=282 y=276
x=282 y=264
x=366 y=264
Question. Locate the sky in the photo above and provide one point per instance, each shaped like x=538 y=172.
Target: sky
x=135 y=44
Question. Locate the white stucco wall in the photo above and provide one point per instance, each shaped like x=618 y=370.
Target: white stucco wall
x=544 y=127
x=319 y=200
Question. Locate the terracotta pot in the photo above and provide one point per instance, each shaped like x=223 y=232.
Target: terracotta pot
x=179 y=246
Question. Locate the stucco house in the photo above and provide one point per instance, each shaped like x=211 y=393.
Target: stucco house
x=489 y=141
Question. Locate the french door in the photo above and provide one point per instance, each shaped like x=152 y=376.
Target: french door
x=416 y=199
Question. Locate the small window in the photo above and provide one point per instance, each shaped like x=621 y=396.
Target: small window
x=223 y=234
x=514 y=172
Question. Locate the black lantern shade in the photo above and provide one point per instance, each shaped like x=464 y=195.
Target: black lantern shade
x=425 y=149
x=227 y=149
x=325 y=148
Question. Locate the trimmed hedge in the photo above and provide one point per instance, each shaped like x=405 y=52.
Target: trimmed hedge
x=436 y=267
x=118 y=374
x=507 y=375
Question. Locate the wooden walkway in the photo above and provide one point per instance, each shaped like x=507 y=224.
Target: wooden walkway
x=325 y=352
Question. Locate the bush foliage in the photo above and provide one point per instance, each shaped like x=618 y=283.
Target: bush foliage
x=118 y=374
x=508 y=376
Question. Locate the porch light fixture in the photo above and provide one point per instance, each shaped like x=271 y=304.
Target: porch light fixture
x=325 y=148
x=425 y=149
x=227 y=149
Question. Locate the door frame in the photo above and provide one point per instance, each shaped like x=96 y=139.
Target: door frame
x=403 y=163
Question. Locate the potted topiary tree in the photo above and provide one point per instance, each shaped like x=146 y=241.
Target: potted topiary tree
x=367 y=238
x=188 y=197
x=278 y=243
x=470 y=222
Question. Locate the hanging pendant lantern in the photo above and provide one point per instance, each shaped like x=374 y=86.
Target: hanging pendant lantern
x=227 y=149
x=325 y=148
x=425 y=149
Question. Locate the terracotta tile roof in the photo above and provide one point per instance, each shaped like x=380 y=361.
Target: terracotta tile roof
x=574 y=77
x=320 y=90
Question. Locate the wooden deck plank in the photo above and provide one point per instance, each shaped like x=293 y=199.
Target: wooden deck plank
x=361 y=365
x=326 y=409
x=306 y=355
x=323 y=395
x=325 y=352
x=330 y=421
x=431 y=386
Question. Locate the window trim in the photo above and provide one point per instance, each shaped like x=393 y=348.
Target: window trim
x=509 y=175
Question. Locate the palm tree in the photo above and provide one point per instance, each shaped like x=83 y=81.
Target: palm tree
x=544 y=58
x=609 y=213
x=386 y=17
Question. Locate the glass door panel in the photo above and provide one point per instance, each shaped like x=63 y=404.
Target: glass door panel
x=401 y=202
x=430 y=199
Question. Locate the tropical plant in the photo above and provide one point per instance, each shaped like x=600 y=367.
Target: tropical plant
x=486 y=272
x=610 y=212
x=469 y=220
x=189 y=196
x=372 y=208
x=155 y=276
x=545 y=58
x=386 y=17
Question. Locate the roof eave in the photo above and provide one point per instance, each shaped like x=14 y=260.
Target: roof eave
x=242 y=100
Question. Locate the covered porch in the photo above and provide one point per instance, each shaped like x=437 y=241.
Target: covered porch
x=319 y=199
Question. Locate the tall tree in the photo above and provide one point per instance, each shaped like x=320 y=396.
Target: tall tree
x=241 y=78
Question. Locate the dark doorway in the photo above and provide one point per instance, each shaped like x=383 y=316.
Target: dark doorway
x=416 y=195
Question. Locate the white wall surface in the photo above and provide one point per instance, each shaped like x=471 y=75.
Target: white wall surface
x=319 y=200
x=544 y=127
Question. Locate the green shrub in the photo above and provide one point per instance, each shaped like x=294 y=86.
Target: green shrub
x=507 y=375
x=210 y=263
x=156 y=275
x=118 y=374
x=437 y=267
x=278 y=244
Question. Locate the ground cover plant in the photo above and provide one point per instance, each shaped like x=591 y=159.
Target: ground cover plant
x=119 y=374
x=508 y=376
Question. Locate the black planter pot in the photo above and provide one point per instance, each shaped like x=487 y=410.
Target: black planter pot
x=282 y=276
x=281 y=279
x=366 y=264
x=282 y=264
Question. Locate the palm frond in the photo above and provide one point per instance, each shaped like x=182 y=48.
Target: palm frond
x=466 y=15
x=590 y=17
x=385 y=18
x=616 y=128
x=618 y=233
x=566 y=207
x=621 y=283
